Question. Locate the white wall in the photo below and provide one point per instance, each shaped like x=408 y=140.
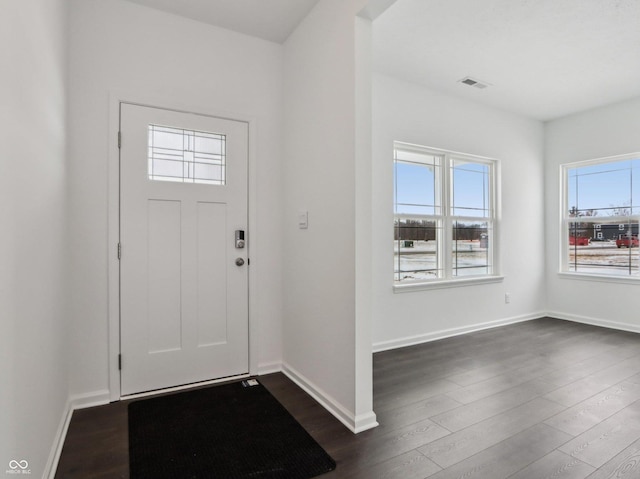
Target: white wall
x=407 y=112
x=33 y=273
x=320 y=343
x=364 y=217
x=607 y=131
x=122 y=49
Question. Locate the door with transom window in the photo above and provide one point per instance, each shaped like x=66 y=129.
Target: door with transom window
x=183 y=274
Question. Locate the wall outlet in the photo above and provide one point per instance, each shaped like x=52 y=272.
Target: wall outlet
x=507 y=298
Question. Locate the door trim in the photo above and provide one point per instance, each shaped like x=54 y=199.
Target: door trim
x=113 y=225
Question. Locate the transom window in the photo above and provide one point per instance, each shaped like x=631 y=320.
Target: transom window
x=600 y=217
x=186 y=156
x=445 y=215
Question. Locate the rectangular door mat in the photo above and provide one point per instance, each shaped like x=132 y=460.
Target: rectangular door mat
x=231 y=431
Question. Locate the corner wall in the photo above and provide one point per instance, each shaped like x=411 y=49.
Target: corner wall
x=404 y=111
x=33 y=211
x=598 y=133
x=324 y=343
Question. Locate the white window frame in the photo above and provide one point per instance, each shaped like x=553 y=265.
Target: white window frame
x=446 y=219
x=595 y=221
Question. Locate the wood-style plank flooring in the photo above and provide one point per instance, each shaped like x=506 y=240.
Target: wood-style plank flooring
x=539 y=399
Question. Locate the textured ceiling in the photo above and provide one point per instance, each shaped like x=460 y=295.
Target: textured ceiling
x=543 y=58
x=272 y=20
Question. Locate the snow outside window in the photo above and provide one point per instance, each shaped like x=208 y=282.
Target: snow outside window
x=600 y=217
x=445 y=215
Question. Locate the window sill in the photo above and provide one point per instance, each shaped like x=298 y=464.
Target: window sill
x=600 y=278
x=446 y=283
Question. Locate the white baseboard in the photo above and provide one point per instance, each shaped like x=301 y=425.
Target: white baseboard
x=96 y=398
x=80 y=401
x=447 y=333
x=56 y=450
x=364 y=422
x=269 y=368
x=355 y=424
x=605 y=323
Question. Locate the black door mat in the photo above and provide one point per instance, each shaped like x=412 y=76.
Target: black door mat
x=229 y=431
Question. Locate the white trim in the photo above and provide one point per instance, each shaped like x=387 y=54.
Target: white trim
x=565 y=220
x=604 y=323
x=365 y=421
x=605 y=159
x=443 y=190
x=253 y=243
x=635 y=280
x=80 y=401
x=446 y=283
x=56 y=449
x=355 y=424
x=415 y=148
x=269 y=368
x=447 y=333
x=113 y=234
x=96 y=398
x=184 y=387
x=144 y=99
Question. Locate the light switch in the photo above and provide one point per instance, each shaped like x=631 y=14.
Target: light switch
x=303 y=220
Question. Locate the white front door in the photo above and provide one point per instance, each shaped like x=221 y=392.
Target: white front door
x=183 y=280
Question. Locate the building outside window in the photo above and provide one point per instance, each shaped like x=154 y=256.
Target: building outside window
x=445 y=215
x=601 y=209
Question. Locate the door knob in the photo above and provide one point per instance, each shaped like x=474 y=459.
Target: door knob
x=239 y=261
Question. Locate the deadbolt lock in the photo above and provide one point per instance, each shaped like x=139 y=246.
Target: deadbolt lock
x=239 y=239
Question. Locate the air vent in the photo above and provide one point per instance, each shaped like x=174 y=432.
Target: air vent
x=474 y=83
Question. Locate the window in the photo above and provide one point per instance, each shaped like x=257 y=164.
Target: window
x=600 y=217
x=186 y=156
x=445 y=215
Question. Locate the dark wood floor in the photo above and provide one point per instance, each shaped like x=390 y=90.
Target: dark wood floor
x=540 y=399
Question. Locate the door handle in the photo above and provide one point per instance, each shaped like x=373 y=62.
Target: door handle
x=239 y=261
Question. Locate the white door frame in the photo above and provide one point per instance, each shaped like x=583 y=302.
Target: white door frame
x=113 y=228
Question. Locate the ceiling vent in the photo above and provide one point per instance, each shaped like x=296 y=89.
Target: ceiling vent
x=474 y=83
